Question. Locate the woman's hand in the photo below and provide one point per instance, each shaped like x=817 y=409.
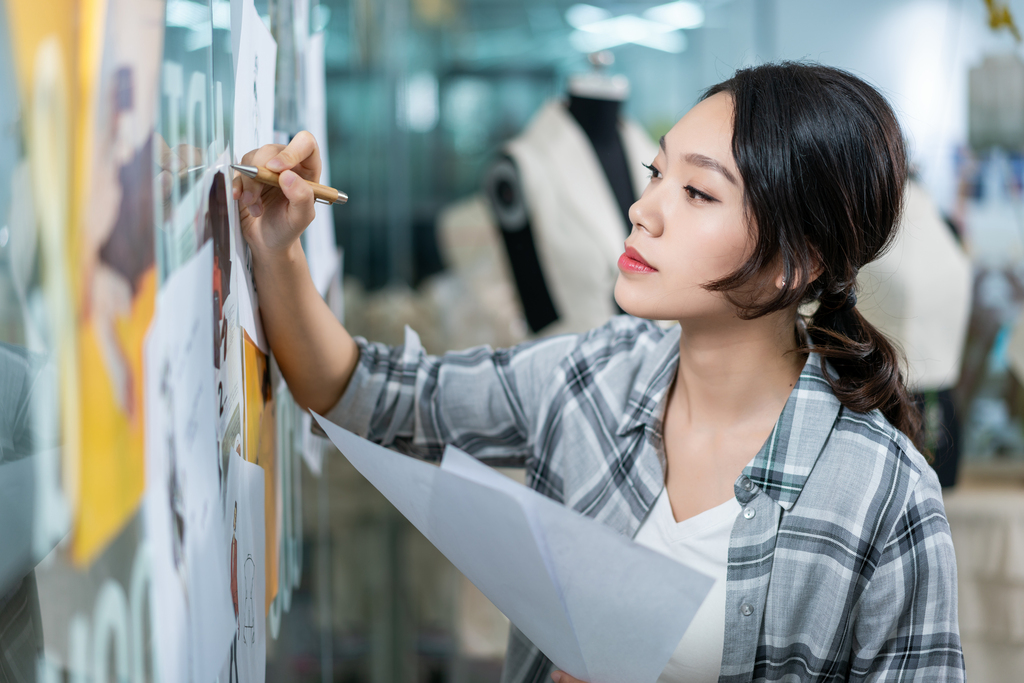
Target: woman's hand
x=273 y=218
x=562 y=677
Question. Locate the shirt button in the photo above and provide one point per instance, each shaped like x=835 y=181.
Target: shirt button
x=749 y=512
x=746 y=609
x=747 y=484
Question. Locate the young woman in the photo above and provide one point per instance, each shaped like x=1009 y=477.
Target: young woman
x=771 y=450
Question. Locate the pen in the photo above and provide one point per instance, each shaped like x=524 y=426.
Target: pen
x=323 y=194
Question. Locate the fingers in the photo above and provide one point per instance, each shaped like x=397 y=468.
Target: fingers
x=246 y=190
x=301 y=155
x=301 y=210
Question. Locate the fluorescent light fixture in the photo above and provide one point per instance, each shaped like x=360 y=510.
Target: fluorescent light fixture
x=659 y=28
x=628 y=28
x=680 y=14
x=580 y=15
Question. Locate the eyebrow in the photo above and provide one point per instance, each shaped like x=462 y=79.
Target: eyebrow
x=704 y=162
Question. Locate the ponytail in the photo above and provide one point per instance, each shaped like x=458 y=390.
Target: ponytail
x=823 y=163
x=867 y=365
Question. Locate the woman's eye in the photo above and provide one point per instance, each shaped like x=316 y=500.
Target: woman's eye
x=695 y=194
x=655 y=173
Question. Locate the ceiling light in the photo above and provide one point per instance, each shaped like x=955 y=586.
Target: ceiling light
x=677 y=14
x=580 y=15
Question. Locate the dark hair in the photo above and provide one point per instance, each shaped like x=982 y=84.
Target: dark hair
x=824 y=167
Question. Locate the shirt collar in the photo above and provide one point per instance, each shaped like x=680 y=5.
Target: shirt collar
x=785 y=460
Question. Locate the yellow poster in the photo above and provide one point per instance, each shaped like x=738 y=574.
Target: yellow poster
x=114 y=274
x=261 y=447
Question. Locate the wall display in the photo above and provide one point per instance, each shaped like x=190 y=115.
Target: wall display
x=254 y=83
x=259 y=447
x=321 y=252
x=115 y=275
x=192 y=613
x=245 y=544
x=147 y=445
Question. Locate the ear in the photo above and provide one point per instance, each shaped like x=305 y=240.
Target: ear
x=814 y=272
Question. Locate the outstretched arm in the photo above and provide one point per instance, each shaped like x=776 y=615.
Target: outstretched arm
x=316 y=354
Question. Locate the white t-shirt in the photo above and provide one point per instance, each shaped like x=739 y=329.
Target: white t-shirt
x=701 y=542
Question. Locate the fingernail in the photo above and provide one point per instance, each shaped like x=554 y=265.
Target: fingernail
x=287 y=180
x=556 y=676
x=275 y=164
x=256 y=210
x=246 y=198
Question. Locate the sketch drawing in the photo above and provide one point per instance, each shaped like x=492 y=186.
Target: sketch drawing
x=249 y=625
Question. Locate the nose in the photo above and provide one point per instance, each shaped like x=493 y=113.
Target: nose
x=643 y=214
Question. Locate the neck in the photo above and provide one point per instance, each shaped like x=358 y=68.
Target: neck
x=737 y=374
x=599 y=119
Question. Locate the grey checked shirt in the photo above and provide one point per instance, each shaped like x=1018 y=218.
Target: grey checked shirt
x=841 y=565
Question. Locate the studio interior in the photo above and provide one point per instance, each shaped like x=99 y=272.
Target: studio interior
x=170 y=507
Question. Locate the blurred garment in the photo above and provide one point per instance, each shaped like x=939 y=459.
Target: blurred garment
x=919 y=294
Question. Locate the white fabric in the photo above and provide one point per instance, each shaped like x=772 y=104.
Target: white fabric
x=576 y=221
x=919 y=294
x=701 y=542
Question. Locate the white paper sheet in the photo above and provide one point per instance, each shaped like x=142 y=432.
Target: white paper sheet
x=190 y=592
x=312 y=446
x=321 y=247
x=254 y=84
x=245 y=546
x=600 y=606
x=243 y=286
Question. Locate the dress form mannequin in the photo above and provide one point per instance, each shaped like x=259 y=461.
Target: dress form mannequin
x=599 y=119
x=591 y=119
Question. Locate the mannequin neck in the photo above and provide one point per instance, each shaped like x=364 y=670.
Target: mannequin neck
x=599 y=119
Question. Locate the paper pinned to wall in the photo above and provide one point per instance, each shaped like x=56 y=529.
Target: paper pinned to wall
x=319 y=241
x=254 y=83
x=259 y=439
x=245 y=546
x=600 y=606
x=243 y=282
x=190 y=591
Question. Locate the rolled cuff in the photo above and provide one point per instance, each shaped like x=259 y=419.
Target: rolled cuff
x=355 y=409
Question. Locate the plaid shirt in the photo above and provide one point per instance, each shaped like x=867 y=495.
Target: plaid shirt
x=841 y=565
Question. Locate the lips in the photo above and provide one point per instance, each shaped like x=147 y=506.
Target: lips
x=631 y=261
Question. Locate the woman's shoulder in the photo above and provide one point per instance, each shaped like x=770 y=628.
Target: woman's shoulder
x=868 y=459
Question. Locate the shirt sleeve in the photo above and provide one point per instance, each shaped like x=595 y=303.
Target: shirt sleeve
x=483 y=401
x=906 y=628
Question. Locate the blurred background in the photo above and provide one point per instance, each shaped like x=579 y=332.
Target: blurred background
x=435 y=112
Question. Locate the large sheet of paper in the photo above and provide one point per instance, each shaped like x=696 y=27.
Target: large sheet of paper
x=190 y=591
x=600 y=606
x=254 y=83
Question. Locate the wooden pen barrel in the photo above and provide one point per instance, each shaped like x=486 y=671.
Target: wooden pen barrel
x=321 y=192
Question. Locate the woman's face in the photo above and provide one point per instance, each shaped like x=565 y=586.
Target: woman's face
x=689 y=226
